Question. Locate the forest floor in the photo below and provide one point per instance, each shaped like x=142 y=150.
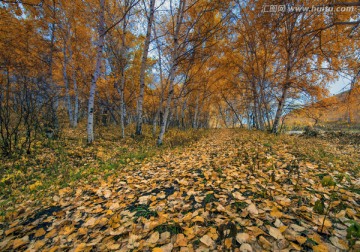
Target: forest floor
x=231 y=190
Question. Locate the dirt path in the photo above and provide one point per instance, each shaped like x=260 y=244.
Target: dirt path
x=233 y=191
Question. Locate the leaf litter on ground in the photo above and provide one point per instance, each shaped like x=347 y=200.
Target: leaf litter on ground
x=235 y=190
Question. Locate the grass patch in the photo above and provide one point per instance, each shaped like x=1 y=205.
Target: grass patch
x=57 y=163
x=142 y=211
x=172 y=228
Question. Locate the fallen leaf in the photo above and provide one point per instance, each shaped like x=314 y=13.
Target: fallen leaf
x=242 y=237
x=198 y=218
x=39 y=232
x=265 y=243
x=301 y=239
x=274 y=232
x=181 y=241
x=207 y=241
x=228 y=243
x=90 y=222
x=341 y=244
x=245 y=247
x=20 y=242
x=238 y=196
x=276 y=213
x=320 y=248
x=167 y=248
x=154 y=237
x=252 y=209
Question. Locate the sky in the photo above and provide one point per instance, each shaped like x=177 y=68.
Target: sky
x=339 y=86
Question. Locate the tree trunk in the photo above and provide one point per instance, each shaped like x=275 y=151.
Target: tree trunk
x=167 y=107
x=196 y=112
x=174 y=62
x=159 y=111
x=122 y=104
x=143 y=69
x=97 y=72
x=76 y=105
x=67 y=90
x=283 y=96
x=280 y=109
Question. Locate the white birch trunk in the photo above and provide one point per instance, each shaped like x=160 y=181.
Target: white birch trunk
x=174 y=59
x=97 y=72
x=143 y=69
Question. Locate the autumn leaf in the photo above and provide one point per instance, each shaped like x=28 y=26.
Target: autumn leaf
x=276 y=233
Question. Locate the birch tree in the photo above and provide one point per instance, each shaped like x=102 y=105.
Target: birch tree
x=174 y=61
x=143 y=69
x=97 y=71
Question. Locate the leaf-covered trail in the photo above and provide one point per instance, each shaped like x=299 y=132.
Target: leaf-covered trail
x=231 y=191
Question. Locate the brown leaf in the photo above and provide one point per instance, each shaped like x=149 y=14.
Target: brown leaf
x=242 y=237
x=207 y=241
x=20 y=242
x=274 y=232
x=245 y=247
x=252 y=209
x=153 y=238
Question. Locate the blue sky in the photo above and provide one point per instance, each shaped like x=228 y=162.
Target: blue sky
x=339 y=86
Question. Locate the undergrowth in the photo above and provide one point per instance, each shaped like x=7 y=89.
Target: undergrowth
x=55 y=164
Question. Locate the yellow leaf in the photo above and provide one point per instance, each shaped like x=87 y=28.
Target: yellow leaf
x=295 y=246
x=320 y=248
x=189 y=232
x=301 y=239
x=51 y=234
x=282 y=229
x=67 y=230
x=213 y=233
x=198 y=218
x=82 y=231
x=81 y=247
x=276 y=213
x=20 y=242
x=181 y=241
x=187 y=217
x=113 y=246
x=40 y=232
